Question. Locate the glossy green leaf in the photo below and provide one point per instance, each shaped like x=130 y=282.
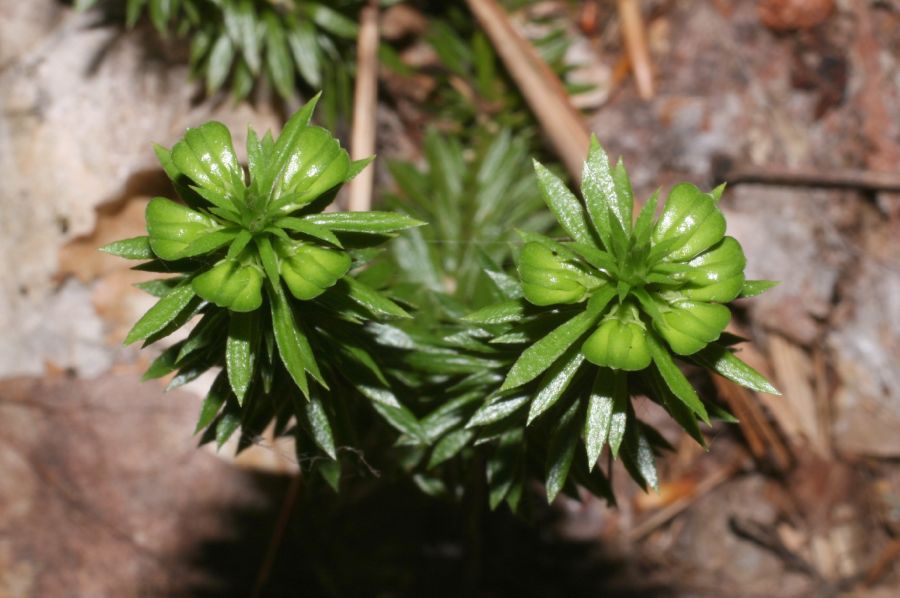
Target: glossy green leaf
x=500 y=313
x=268 y=258
x=752 y=288
x=240 y=22
x=136 y=248
x=680 y=412
x=449 y=446
x=554 y=383
x=332 y=21
x=599 y=192
x=387 y=405
x=504 y=466
x=240 y=351
x=165 y=364
x=305 y=50
x=212 y=404
x=372 y=300
x=207 y=330
x=639 y=459
x=278 y=56
x=209 y=242
x=308 y=228
x=374 y=223
x=497 y=409
x=644 y=225
x=561 y=452
x=161 y=314
x=320 y=427
x=674 y=378
x=159 y=287
x=722 y=361
x=564 y=205
x=540 y=356
x=293 y=346
x=220 y=60
x=624 y=196
x=606 y=414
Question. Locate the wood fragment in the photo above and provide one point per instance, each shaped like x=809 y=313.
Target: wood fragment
x=863 y=180
x=884 y=563
x=794 y=372
x=365 y=106
x=540 y=86
x=666 y=514
x=763 y=439
x=635 y=36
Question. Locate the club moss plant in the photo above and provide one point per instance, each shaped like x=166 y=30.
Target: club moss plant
x=267 y=275
x=284 y=307
x=607 y=314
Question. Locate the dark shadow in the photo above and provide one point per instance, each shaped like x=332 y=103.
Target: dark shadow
x=391 y=540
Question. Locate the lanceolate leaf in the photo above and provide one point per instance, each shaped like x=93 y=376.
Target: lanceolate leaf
x=449 y=446
x=241 y=350
x=676 y=408
x=164 y=364
x=293 y=347
x=564 y=205
x=508 y=311
x=639 y=457
x=605 y=414
x=166 y=310
x=497 y=409
x=308 y=228
x=752 y=288
x=674 y=379
x=137 y=248
x=723 y=361
x=218 y=394
x=375 y=223
x=561 y=451
x=373 y=300
x=320 y=427
x=556 y=380
x=544 y=353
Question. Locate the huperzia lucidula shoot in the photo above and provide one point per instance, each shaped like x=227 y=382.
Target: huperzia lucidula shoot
x=622 y=300
x=270 y=276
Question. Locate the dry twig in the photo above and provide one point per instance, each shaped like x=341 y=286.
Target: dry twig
x=865 y=180
x=634 y=33
x=542 y=89
x=666 y=514
x=365 y=106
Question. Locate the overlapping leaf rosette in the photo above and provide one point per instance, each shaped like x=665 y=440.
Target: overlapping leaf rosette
x=266 y=275
x=608 y=314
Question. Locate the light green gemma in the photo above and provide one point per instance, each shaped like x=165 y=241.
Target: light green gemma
x=231 y=284
x=308 y=270
x=618 y=344
x=547 y=279
x=693 y=219
x=172 y=227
